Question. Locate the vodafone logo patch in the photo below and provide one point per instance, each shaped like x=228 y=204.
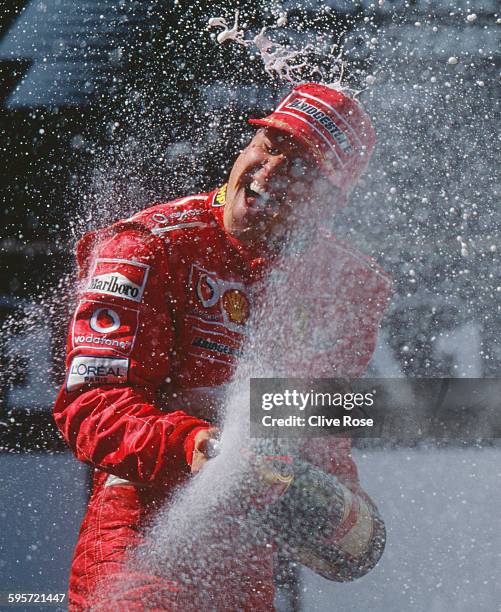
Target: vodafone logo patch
x=207 y=291
x=120 y=278
x=225 y=301
x=105 y=320
x=105 y=327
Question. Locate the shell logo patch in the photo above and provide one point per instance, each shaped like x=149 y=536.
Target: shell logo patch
x=236 y=304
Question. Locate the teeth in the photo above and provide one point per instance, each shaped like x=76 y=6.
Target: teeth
x=255 y=186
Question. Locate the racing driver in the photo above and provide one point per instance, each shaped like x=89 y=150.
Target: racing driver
x=164 y=300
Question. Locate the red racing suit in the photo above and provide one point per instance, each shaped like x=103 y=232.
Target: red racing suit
x=164 y=298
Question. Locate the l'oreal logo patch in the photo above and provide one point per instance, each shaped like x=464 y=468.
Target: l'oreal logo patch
x=96 y=371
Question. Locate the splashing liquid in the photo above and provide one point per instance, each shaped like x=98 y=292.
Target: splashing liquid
x=292 y=65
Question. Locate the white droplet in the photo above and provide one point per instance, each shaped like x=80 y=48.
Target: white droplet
x=370 y=79
x=480 y=83
x=453 y=61
x=282 y=20
x=471 y=18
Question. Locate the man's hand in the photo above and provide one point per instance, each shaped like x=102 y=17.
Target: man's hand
x=201 y=451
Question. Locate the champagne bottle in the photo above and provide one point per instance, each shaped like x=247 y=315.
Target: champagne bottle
x=314 y=518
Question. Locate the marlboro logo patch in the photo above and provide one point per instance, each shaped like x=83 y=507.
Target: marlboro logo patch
x=120 y=278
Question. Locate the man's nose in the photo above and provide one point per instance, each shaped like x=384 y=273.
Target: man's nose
x=274 y=166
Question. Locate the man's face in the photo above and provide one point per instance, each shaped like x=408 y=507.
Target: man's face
x=269 y=185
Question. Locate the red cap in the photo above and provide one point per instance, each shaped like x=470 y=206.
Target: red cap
x=331 y=125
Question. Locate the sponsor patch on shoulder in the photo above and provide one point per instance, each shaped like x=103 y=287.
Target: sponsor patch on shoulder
x=105 y=327
x=91 y=370
x=119 y=277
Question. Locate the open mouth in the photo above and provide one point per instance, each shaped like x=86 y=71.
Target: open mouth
x=254 y=190
x=260 y=201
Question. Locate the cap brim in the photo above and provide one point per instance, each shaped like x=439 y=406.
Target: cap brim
x=271 y=121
